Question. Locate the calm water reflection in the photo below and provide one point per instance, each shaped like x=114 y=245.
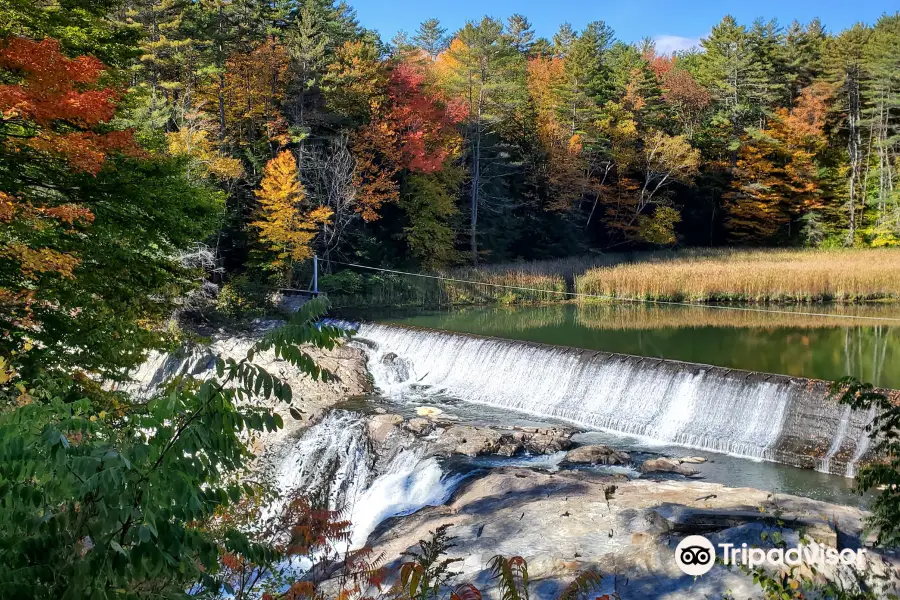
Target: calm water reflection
x=823 y=347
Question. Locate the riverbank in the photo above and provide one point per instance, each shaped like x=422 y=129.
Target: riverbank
x=536 y=491
x=706 y=275
x=312 y=397
x=541 y=491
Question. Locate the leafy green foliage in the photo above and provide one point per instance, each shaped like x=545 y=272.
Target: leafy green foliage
x=883 y=473
x=105 y=497
x=423 y=577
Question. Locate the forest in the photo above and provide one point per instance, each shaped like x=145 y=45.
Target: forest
x=306 y=133
x=160 y=155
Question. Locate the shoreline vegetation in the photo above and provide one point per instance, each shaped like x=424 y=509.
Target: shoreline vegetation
x=701 y=276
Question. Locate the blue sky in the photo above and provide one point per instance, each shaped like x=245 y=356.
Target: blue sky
x=673 y=24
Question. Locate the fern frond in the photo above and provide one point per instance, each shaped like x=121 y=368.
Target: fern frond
x=584 y=583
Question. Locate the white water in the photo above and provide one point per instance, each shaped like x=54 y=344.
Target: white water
x=332 y=460
x=825 y=465
x=335 y=457
x=409 y=483
x=672 y=404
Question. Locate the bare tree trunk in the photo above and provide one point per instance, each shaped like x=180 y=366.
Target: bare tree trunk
x=853 y=145
x=476 y=181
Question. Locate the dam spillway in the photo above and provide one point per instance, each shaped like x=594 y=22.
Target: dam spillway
x=791 y=420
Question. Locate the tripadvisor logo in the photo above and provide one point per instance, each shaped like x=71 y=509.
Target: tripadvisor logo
x=696 y=555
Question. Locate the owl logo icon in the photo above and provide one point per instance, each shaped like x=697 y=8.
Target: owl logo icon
x=695 y=555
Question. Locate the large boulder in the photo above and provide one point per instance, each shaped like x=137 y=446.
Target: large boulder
x=419 y=426
x=596 y=454
x=470 y=440
x=546 y=440
x=667 y=465
x=382 y=426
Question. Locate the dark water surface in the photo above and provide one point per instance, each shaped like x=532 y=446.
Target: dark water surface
x=825 y=345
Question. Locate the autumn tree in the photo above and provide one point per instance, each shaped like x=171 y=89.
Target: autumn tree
x=565 y=168
x=284 y=226
x=687 y=98
x=90 y=224
x=474 y=69
x=776 y=178
x=255 y=84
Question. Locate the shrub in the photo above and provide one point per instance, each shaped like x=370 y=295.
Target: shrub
x=243 y=298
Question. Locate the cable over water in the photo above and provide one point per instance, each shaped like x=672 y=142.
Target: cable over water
x=618 y=299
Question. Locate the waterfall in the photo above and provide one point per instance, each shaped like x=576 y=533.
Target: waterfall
x=754 y=415
x=334 y=460
x=839 y=437
x=862 y=445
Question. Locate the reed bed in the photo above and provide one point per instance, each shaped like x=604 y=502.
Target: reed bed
x=697 y=276
x=503 y=286
x=794 y=276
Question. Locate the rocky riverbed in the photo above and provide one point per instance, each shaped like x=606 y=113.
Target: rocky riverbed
x=586 y=505
x=571 y=519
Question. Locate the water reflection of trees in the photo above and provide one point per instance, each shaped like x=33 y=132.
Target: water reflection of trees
x=649 y=316
x=866 y=351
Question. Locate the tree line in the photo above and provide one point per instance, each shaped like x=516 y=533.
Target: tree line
x=491 y=143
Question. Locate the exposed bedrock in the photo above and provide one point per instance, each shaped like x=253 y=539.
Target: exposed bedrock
x=565 y=522
x=772 y=417
x=312 y=397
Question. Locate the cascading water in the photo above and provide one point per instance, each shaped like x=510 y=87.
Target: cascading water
x=754 y=415
x=334 y=458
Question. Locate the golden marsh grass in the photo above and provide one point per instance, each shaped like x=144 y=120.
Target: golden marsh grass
x=845 y=276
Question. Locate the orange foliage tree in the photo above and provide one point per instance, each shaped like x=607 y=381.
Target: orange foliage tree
x=565 y=167
x=255 y=83
x=52 y=114
x=284 y=225
x=411 y=127
x=775 y=180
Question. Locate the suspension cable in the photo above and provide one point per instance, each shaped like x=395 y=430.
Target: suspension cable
x=617 y=299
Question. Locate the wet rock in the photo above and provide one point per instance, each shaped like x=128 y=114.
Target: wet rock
x=382 y=426
x=515 y=510
x=693 y=460
x=473 y=440
x=596 y=454
x=685 y=520
x=546 y=441
x=667 y=465
x=509 y=449
x=420 y=426
x=399 y=367
x=470 y=440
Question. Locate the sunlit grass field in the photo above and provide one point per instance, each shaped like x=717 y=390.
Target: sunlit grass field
x=697 y=276
x=803 y=276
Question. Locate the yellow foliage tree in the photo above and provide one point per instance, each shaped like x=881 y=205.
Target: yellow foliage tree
x=195 y=143
x=284 y=226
